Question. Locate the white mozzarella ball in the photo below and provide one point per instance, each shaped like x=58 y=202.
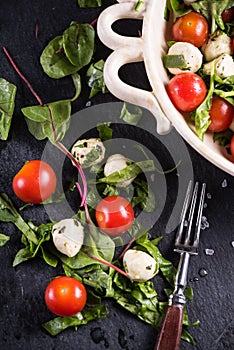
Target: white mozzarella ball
x=139 y=265
x=216 y=45
x=224 y=66
x=192 y=56
x=88 y=152
x=116 y=163
x=68 y=236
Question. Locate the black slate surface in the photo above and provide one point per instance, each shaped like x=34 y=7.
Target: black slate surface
x=22 y=309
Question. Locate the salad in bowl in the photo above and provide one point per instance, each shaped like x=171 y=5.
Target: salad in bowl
x=187 y=49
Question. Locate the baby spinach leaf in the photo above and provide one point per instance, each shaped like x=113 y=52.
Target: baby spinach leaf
x=212 y=10
x=78 y=44
x=224 y=137
x=3 y=239
x=48 y=257
x=90 y=3
x=105 y=131
x=177 y=7
x=95 y=78
x=59 y=324
x=8 y=213
x=143 y=196
x=128 y=172
x=54 y=60
x=130 y=113
x=77 y=83
x=202 y=117
x=7 y=105
x=39 y=120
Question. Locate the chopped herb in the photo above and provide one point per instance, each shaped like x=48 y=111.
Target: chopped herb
x=138 y=5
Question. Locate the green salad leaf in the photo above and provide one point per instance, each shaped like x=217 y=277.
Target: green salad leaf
x=130 y=113
x=105 y=131
x=7 y=105
x=78 y=44
x=54 y=60
x=212 y=10
x=59 y=324
x=39 y=119
x=3 y=239
x=90 y=3
x=95 y=78
x=68 y=53
x=129 y=172
x=8 y=213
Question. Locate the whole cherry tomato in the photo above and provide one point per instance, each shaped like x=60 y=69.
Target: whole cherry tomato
x=65 y=296
x=35 y=182
x=221 y=114
x=232 y=146
x=114 y=215
x=186 y=91
x=192 y=28
x=228 y=15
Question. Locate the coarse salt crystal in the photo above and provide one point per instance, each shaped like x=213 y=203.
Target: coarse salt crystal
x=208 y=195
x=224 y=183
x=204 y=223
x=209 y=251
x=88 y=104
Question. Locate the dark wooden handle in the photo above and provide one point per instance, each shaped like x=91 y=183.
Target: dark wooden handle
x=170 y=333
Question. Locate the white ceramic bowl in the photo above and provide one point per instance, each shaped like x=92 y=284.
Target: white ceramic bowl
x=149 y=48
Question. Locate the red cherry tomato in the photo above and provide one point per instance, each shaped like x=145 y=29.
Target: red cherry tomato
x=221 y=114
x=65 y=296
x=35 y=182
x=232 y=146
x=192 y=28
x=228 y=15
x=114 y=215
x=186 y=91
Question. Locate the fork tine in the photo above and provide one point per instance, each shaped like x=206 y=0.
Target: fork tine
x=183 y=214
x=199 y=216
x=191 y=215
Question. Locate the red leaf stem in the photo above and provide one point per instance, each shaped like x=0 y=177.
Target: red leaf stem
x=94 y=22
x=107 y=264
x=36 y=30
x=22 y=76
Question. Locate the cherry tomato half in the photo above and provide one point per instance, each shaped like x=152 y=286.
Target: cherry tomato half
x=186 y=91
x=232 y=146
x=65 y=296
x=221 y=114
x=35 y=182
x=228 y=15
x=192 y=28
x=114 y=215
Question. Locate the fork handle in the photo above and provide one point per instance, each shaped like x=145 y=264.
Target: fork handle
x=170 y=333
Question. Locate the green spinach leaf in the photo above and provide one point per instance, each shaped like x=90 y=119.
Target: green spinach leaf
x=7 y=105
x=8 y=213
x=90 y=3
x=105 y=131
x=95 y=78
x=130 y=113
x=3 y=239
x=78 y=44
x=48 y=121
x=129 y=172
x=54 y=60
x=59 y=324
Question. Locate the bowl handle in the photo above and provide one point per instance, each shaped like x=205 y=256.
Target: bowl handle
x=127 y=50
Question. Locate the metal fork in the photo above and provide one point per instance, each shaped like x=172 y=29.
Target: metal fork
x=186 y=244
